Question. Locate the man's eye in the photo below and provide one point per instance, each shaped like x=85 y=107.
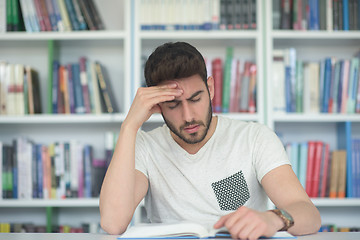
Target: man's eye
x=172 y=106
x=195 y=100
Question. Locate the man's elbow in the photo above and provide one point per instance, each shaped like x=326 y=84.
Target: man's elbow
x=113 y=228
x=317 y=224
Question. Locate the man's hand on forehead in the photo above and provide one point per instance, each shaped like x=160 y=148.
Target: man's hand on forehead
x=169 y=84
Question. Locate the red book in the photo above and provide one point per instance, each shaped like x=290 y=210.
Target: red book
x=310 y=167
x=45 y=15
x=252 y=89
x=217 y=72
x=325 y=170
x=316 y=171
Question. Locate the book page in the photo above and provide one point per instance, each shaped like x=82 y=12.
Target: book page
x=161 y=230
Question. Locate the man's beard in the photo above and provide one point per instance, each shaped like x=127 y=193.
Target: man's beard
x=201 y=123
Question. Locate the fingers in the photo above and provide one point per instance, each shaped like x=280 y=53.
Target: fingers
x=158 y=94
x=221 y=222
x=246 y=223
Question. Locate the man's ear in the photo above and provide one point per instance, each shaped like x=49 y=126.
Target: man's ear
x=210 y=83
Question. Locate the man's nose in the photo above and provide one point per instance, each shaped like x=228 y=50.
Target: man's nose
x=187 y=112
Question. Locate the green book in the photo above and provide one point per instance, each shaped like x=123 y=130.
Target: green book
x=9 y=18
x=227 y=80
x=299 y=87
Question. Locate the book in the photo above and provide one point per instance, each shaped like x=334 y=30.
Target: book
x=217 y=73
x=226 y=88
x=278 y=80
x=183 y=230
x=107 y=97
x=315 y=181
x=310 y=167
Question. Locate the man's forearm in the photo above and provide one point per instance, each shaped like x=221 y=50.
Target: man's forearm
x=306 y=218
x=117 y=197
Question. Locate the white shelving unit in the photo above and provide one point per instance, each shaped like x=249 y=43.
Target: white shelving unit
x=296 y=127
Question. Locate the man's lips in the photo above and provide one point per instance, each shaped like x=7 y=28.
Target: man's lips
x=192 y=128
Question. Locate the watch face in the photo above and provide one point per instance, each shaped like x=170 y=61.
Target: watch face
x=285 y=214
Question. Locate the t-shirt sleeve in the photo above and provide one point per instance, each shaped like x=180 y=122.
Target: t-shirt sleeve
x=140 y=153
x=268 y=153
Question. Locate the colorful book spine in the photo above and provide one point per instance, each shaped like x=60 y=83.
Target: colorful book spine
x=227 y=80
x=217 y=73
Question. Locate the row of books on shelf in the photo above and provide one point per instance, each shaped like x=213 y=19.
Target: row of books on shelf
x=323 y=173
x=334 y=228
x=49 y=15
x=316 y=14
x=7 y=227
x=82 y=87
x=55 y=171
x=330 y=85
x=198 y=15
x=235 y=83
x=19 y=90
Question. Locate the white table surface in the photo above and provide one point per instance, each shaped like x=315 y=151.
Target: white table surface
x=88 y=236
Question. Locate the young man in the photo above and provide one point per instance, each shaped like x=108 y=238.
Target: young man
x=199 y=167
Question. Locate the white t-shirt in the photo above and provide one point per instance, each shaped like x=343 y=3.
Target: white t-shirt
x=222 y=176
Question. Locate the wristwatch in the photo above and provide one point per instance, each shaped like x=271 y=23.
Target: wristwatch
x=285 y=217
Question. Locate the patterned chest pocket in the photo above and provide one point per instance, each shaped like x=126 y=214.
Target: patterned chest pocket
x=231 y=192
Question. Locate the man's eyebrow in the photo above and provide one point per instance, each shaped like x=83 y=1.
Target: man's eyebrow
x=191 y=97
x=195 y=94
x=172 y=101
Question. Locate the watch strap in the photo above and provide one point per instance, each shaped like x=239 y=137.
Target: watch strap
x=288 y=221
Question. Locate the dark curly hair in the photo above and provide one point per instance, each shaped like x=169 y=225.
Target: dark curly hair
x=174 y=61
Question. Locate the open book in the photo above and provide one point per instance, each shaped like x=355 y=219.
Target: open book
x=182 y=230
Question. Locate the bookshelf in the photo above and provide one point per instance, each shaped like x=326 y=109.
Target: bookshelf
x=313 y=45
x=247 y=45
x=111 y=47
x=121 y=48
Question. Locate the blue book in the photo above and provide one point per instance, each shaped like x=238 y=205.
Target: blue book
x=15 y=169
x=57 y=14
x=321 y=84
x=354 y=167
x=345 y=15
x=40 y=175
x=303 y=163
x=72 y=15
x=314 y=15
x=78 y=93
x=344 y=143
x=358 y=168
x=336 y=86
x=288 y=88
x=339 y=95
x=55 y=86
x=295 y=158
x=87 y=171
x=292 y=61
x=34 y=171
x=52 y=15
x=353 y=85
x=327 y=82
